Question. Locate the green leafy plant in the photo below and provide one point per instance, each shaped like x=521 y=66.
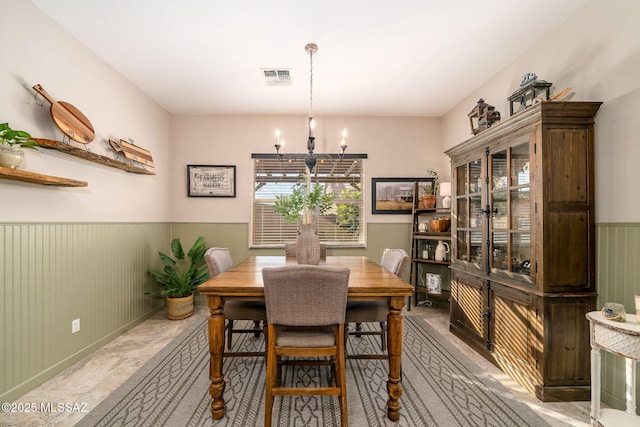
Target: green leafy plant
x=433 y=189
x=15 y=138
x=305 y=200
x=348 y=213
x=183 y=273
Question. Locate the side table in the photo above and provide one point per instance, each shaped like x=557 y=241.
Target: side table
x=622 y=339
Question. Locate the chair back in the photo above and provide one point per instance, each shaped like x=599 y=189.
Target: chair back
x=218 y=260
x=303 y=295
x=395 y=260
x=290 y=250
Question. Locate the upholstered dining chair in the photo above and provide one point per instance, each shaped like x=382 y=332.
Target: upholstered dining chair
x=218 y=261
x=305 y=318
x=290 y=250
x=358 y=312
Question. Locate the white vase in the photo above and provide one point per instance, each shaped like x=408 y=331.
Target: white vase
x=11 y=156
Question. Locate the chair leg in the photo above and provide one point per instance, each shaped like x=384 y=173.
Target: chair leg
x=229 y=334
x=278 y=379
x=358 y=328
x=341 y=379
x=332 y=373
x=256 y=326
x=270 y=382
x=383 y=335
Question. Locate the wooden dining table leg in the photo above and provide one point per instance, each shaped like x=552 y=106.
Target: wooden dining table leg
x=394 y=349
x=216 y=349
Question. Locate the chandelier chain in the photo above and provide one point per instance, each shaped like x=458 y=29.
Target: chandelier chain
x=310 y=83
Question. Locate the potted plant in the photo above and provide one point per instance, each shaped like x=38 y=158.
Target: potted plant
x=305 y=201
x=12 y=143
x=180 y=277
x=431 y=192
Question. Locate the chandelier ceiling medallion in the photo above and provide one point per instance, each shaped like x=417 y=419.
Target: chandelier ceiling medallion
x=310 y=158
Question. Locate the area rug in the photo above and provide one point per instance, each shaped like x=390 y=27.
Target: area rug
x=441 y=387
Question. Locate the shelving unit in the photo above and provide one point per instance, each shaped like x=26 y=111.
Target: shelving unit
x=423 y=263
x=93 y=157
x=36 y=178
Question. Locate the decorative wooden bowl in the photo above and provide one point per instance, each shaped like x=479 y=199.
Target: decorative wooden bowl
x=440 y=225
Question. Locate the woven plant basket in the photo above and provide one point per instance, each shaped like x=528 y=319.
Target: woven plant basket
x=180 y=308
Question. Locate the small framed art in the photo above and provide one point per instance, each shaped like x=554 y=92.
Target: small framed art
x=211 y=181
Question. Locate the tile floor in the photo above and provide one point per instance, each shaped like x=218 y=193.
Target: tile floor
x=92 y=379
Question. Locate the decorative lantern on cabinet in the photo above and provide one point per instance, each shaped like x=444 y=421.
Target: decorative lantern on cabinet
x=530 y=92
x=482 y=117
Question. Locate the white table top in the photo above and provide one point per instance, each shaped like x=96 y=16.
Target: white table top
x=631 y=326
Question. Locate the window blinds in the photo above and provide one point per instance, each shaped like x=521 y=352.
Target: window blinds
x=343 y=225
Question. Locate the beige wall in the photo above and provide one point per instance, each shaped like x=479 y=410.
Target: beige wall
x=396 y=147
x=597 y=53
x=39 y=51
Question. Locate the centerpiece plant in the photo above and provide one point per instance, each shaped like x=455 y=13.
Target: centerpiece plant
x=305 y=201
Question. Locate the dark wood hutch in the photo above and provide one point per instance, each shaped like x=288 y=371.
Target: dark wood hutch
x=523 y=246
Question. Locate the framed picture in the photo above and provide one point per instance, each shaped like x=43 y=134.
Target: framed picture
x=395 y=195
x=211 y=181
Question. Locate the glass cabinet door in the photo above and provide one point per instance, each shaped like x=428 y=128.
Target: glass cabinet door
x=520 y=218
x=510 y=210
x=468 y=213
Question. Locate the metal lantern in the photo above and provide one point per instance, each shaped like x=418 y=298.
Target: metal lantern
x=482 y=117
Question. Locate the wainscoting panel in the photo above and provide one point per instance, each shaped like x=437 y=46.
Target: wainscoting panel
x=52 y=274
x=617 y=280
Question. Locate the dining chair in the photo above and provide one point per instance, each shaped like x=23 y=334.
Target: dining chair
x=218 y=261
x=358 y=312
x=305 y=318
x=290 y=250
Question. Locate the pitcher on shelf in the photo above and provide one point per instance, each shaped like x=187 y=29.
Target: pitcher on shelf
x=441 y=251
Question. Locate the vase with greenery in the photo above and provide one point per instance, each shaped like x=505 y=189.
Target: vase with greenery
x=181 y=276
x=430 y=191
x=304 y=202
x=12 y=143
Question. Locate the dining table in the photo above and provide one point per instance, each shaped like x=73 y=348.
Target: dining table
x=368 y=281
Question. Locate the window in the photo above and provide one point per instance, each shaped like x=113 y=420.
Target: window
x=343 y=225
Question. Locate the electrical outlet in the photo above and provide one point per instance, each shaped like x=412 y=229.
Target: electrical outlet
x=75 y=326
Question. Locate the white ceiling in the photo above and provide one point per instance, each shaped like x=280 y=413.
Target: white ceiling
x=409 y=58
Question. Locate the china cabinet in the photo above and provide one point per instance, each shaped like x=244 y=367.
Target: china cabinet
x=522 y=253
x=430 y=253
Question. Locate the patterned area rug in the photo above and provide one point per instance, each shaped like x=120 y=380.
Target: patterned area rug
x=441 y=387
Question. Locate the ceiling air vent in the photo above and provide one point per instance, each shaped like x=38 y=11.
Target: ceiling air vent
x=277 y=77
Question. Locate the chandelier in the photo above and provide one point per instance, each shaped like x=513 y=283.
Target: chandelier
x=310 y=158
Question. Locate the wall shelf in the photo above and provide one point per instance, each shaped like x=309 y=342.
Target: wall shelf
x=93 y=157
x=36 y=178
